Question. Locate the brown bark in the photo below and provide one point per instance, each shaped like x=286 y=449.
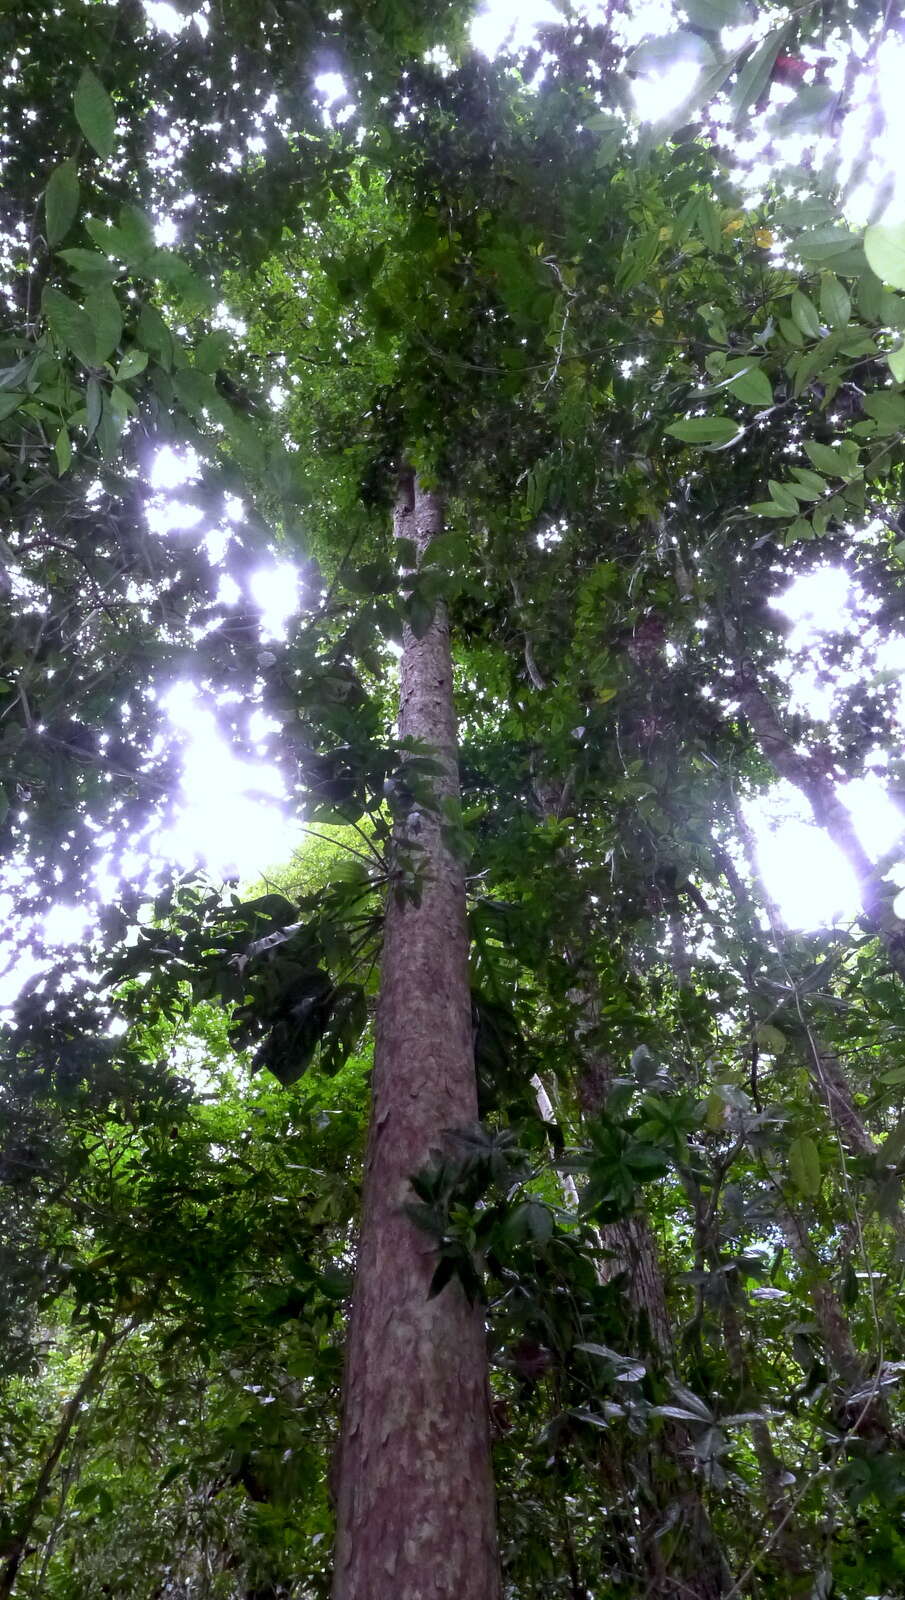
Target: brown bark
x=416 y=1509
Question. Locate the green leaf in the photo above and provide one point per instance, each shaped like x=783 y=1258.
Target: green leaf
x=799 y=529
x=804 y=315
x=61 y=201
x=113 y=418
x=768 y=508
x=94 y=113
x=102 y=309
x=707 y=222
x=136 y=233
x=806 y=111
x=832 y=244
x=884 y=246
x=784 y=497
x=835 y=301
x=196 y=390
x=134 y=361
x=891 y=310
x=714 y=15
x=704 y=430
x=887 y=409
x=753 y=387
x=10 y=401
x=896 y=359
x=70 y=326
x=90 y=266
x=810 y=485
x=93 y=406
x=155 y=334
x=62 y=449
x=213 y=350
x=792 y=334
x=755 y=74
x=770 y=1038
x=817 y=360
x=804 y=1165
x=828 y=459
x=664 y=50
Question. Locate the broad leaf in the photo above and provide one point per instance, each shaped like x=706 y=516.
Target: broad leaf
x=804 y=315
x=61 y=202
x=804 y=1165
x=705 y=430
x=753 y=387
x=755 y=74
x=102 y=309
x=884 y=246
x=70 y=326
x=835 y=301
x=94 y=113
x=714 y=15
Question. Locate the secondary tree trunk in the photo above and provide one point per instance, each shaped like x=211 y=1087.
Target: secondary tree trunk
x=31 y=1510
x=416 y=1505
x=823 y=1064
x=689 y=1561
x=809 y=776
x=861 y=1405
x=631 y=1239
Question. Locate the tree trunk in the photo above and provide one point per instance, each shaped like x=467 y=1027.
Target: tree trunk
x=416 y=1506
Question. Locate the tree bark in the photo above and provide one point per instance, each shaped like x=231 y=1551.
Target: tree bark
x=416 y=1505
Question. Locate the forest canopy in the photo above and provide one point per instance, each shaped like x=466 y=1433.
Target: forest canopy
x=452 y=594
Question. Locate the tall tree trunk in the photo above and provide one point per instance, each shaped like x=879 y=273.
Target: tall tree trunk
x=416 y=1506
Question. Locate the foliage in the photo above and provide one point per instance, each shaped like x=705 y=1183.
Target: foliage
x=651 y=405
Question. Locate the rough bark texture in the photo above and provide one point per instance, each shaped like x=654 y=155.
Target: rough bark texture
x=416 y=1509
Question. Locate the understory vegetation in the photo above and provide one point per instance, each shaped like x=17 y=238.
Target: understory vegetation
x=496 y=1190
